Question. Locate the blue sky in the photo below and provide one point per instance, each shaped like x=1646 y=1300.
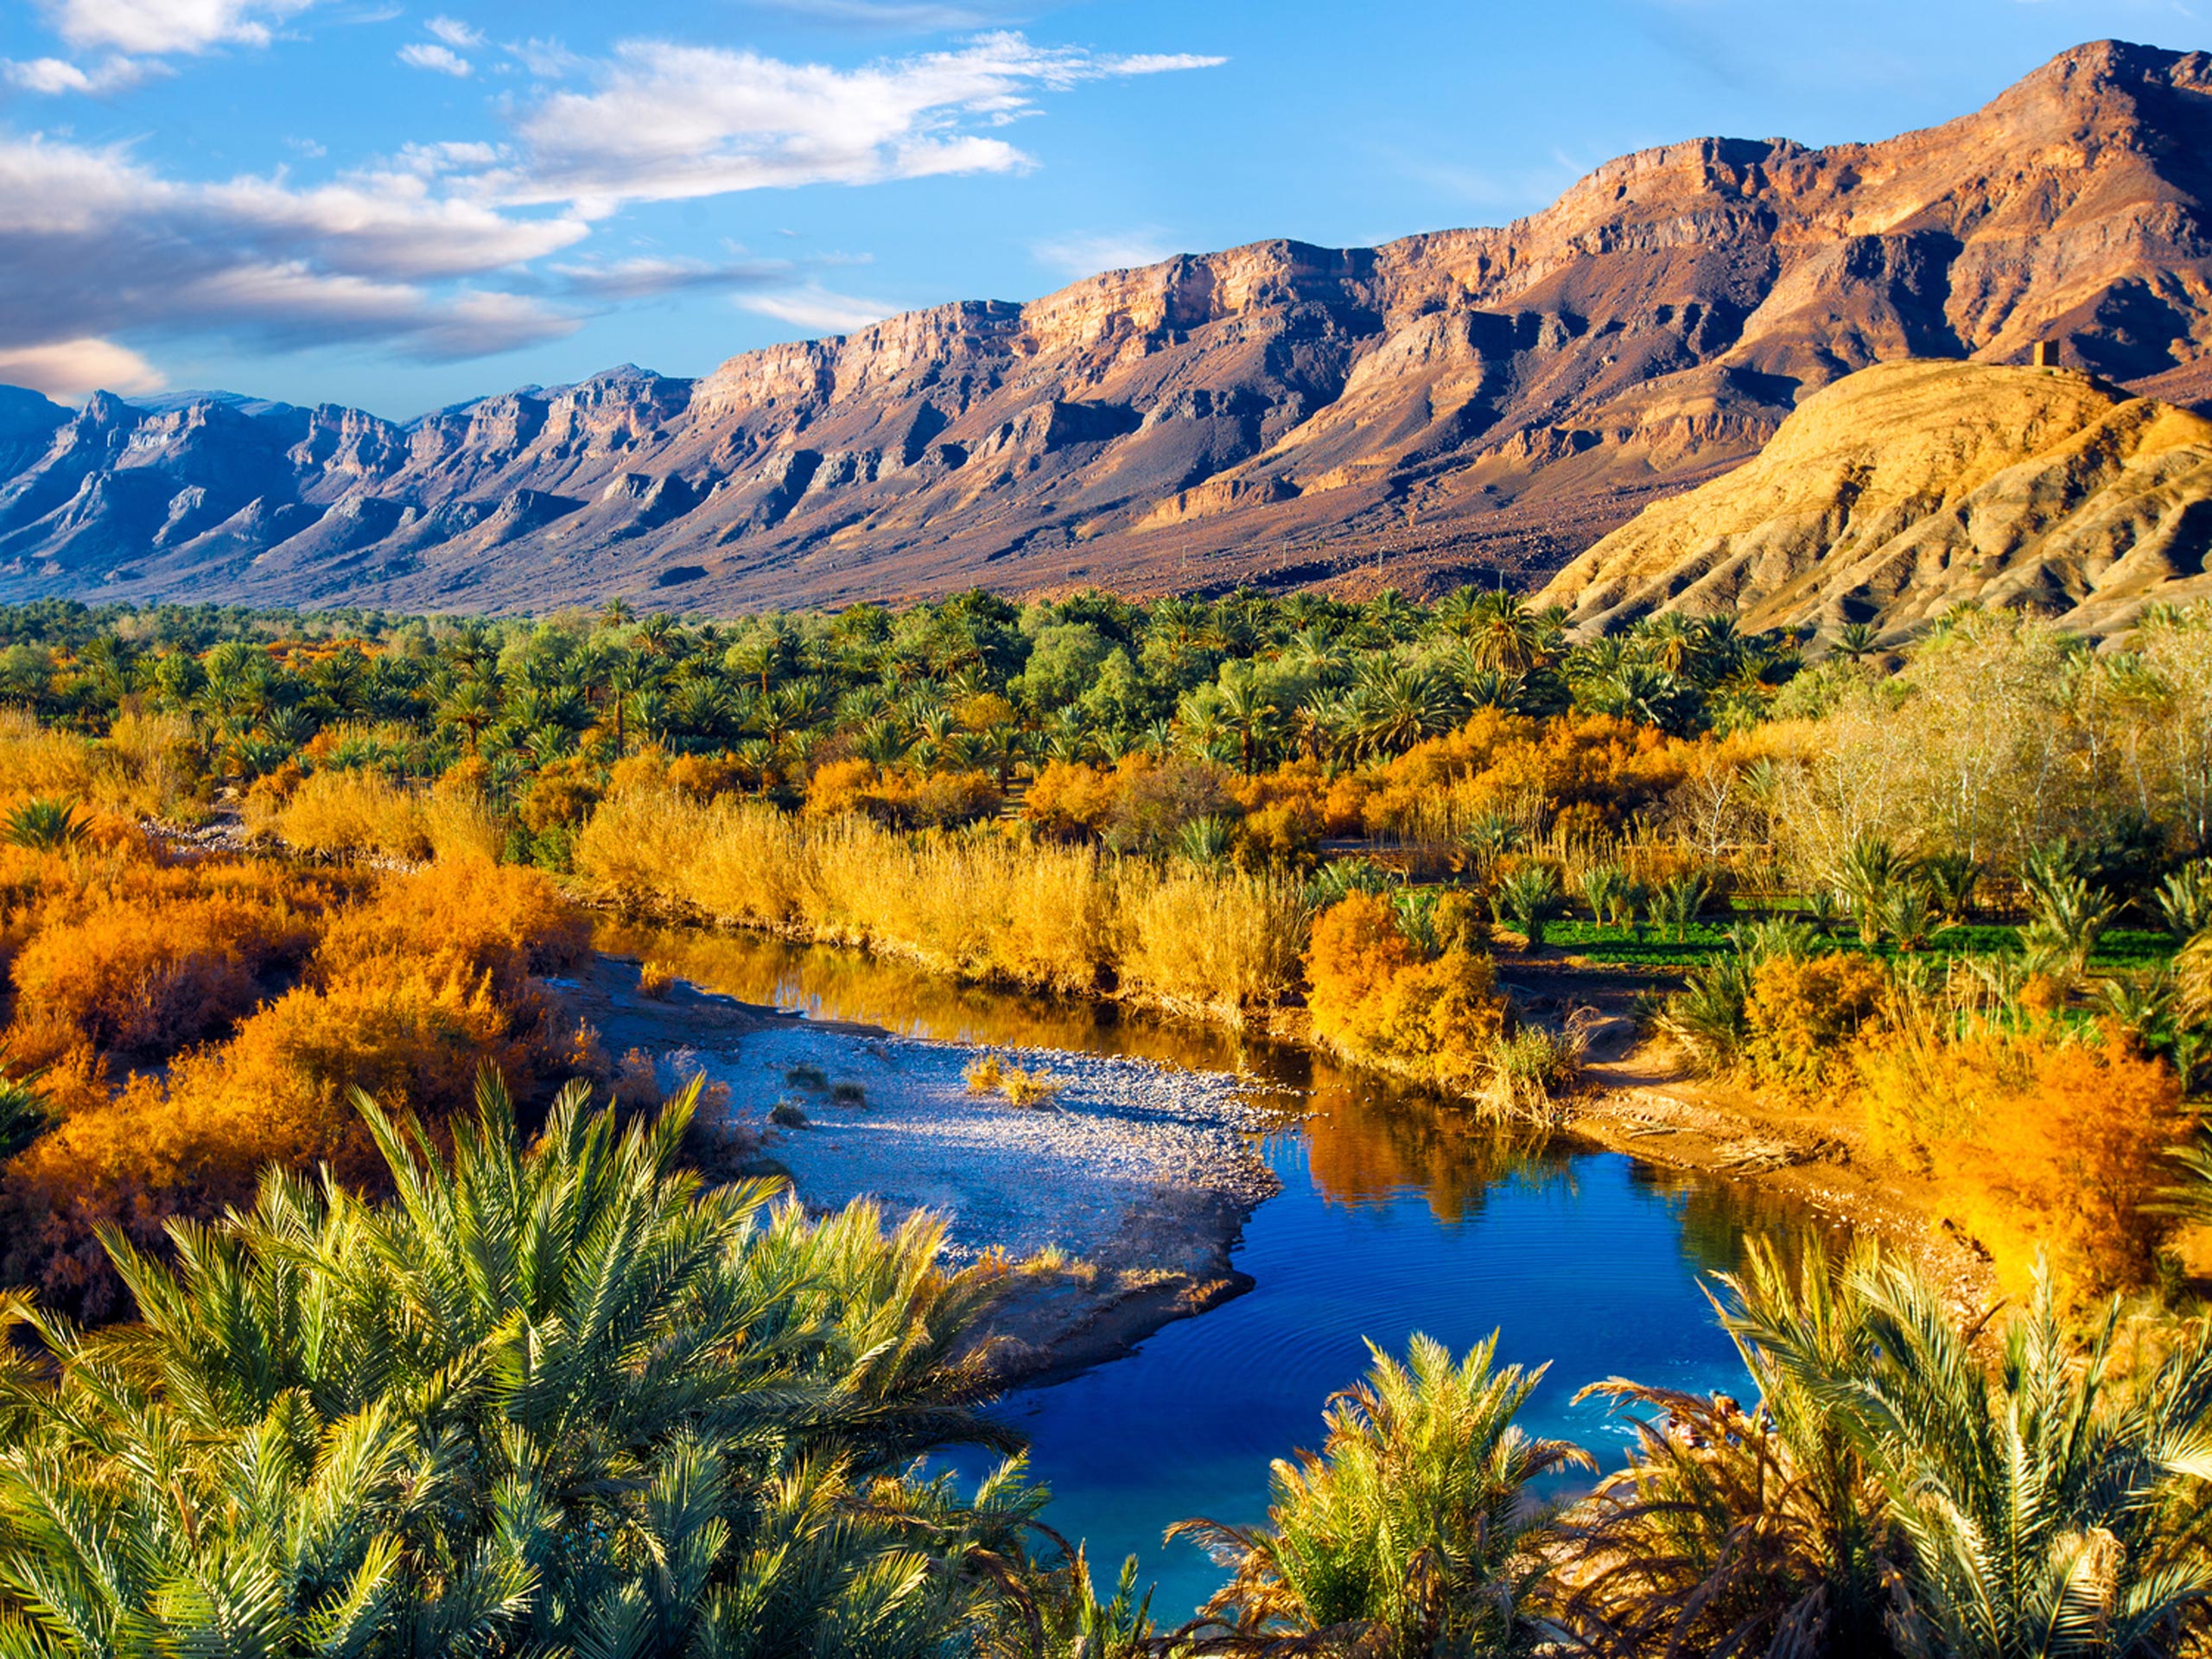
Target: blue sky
x=399 y=206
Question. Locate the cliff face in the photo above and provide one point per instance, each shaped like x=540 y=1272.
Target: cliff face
x=1911 y=487
x=1445 y=406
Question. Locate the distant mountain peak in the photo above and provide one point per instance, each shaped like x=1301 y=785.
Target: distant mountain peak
x=1478 y=404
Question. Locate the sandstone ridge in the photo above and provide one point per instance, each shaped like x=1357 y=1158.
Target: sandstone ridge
x=1911 y=487
x=1465 y=404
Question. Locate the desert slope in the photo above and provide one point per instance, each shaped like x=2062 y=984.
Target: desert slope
x=1911 y=487
x=1445 y=406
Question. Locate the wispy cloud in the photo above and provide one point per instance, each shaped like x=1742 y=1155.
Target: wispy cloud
x=651 y=278
x=817 y=309
x=900 y=16
x=54 y=76
x=455 y=33
x=1083 y=255
x=440 y=59
x=663 y=122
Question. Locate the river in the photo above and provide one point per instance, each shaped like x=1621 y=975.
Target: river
x=1397 y=1214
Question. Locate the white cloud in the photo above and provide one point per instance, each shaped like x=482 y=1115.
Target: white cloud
x=70 y=369
x=1086 y=255
x=665 y=122
x=169 y=25
x=54 y=76
x=547 y=59
x=255 y=260
x=422 y=54
x=818 y=310
x=455 y=33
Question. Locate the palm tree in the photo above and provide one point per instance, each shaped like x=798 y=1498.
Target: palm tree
x=1530 y=899
x=1669 y=641
x=24 y=1113
x=1857 y=640
x=472 y=706
x=1744 y=1532
x=1870 y=867
x=44 y=825
x=1507 y=637
x=558 y=1397
x=1396 y=706
x=2047 y=1509
x=2069 y=915
x=1247 y=713
x=1409 y=1535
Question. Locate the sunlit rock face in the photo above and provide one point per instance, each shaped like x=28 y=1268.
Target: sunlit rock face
x=1910 y=488
x=1449 y=406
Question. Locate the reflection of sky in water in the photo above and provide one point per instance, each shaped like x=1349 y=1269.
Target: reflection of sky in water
x=1395 y=1216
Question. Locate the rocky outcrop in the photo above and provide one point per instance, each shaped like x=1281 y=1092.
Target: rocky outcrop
x=1465 y=404
x=1911 y=487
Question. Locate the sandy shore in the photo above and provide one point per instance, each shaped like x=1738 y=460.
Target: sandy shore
x=1121 y=1198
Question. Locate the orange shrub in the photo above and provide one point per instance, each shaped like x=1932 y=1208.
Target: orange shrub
x=147 y=979
x=2035 y=1145
x=1357 y=951
x=900 y=799
x=1589 y=771
x=1804 y=1011
x=1373 y=997
x=563 y=794
x=1286 y=835
x=1070 y=801
x=1343 y=808
x=406 y=996
x=703 y=775
x=647 y=769
x=842 y=786
x=126 y=949
x=457 y=924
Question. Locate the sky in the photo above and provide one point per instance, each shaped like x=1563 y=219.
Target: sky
x=400 y=206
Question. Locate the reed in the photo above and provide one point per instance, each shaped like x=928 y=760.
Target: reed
x=973 y=904
x=342 y=814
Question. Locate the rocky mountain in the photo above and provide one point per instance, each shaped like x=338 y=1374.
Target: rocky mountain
x=1911 y=487
x=1456 y=405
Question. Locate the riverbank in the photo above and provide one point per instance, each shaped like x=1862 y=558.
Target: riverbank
x=1114 y=1202
x=1639 y=1097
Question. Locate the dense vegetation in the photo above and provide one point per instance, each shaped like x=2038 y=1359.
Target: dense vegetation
x=465 y=1391
x=1963 y=888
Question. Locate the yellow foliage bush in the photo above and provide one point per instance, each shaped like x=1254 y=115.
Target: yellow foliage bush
x=1374 y=997
x=975 y=903
x=1069 y=800
x=340 y=814
x=1195 y=939
x=460 y=823
x=2035 y=1143
x=1805 y=1011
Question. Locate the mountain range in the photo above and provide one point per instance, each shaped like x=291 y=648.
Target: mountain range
x=1478 y=404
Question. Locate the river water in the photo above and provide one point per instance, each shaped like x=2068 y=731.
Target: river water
x=1397 y=1215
